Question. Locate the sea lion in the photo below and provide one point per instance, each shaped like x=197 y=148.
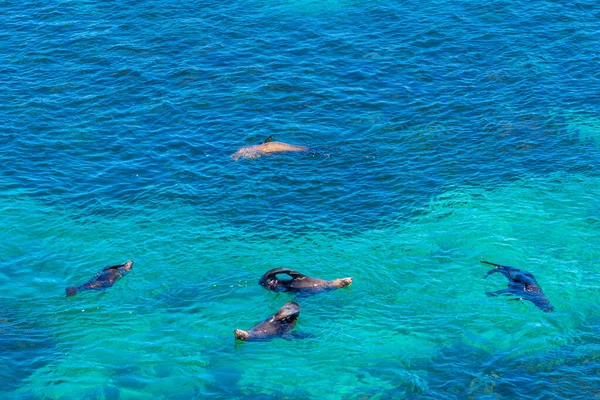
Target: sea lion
x=278 y=325
x=103 y=279
x=266 y=147
x=520 y=283
x=299 y=283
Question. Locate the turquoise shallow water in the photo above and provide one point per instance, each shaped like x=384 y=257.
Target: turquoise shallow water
x=447 y=133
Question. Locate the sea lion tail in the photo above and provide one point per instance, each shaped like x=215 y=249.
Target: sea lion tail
x=71 y=290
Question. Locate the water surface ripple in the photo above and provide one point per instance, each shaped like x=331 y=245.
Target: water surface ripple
x=442 y=132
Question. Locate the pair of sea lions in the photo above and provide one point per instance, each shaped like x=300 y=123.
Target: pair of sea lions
x=283 y=321
x=103 y=279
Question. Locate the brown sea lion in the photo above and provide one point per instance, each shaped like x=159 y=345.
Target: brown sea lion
x=265 y=148
x=278 y=325
x=520 y=283
x=299 y=283
x=103 y=279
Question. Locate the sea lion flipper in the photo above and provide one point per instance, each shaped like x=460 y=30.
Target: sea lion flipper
x=490 y=263
x=269 y=139
x=241 y=334
x=543 y=303
x=497 y=268
x=71 y=290
x=490 y=272
x=113 y=267
x=293 y=273
x=342 y=282
x=275 y=271
x=271 y=275
x=126 y=265
x=500 y=292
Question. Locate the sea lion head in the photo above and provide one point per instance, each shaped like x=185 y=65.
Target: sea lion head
x=127 y=266
x=289 y=313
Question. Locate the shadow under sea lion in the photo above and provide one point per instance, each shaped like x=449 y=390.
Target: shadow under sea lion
x=265 y=148
x=103 y=279
x=278 y=325
x=299 y=283
x=520 y=283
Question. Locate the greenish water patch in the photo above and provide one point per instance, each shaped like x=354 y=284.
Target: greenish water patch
x=416 y=308
x=587 y=127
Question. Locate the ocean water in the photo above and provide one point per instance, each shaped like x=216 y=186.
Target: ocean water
x=446 y=133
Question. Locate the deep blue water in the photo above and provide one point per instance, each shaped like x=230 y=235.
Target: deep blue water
x=445 y=133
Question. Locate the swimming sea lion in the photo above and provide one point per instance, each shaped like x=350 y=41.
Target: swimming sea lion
x=278 y=325
x=299 y=283
x=103 y=279
x=520 y=283
x=266 y=147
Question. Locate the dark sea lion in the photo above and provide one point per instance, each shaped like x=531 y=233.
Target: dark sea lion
x=103 y=279
x=520 y=283
x=278 y=325
x=299 y=283
x=265 y=148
